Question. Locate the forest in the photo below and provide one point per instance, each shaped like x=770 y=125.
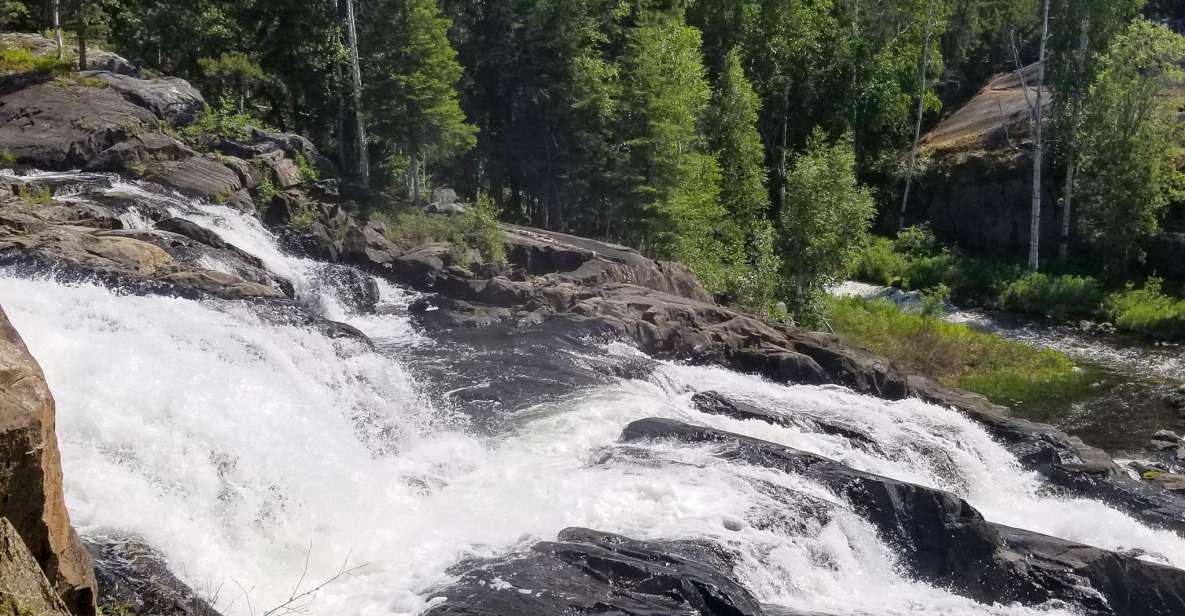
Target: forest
x=763 y=143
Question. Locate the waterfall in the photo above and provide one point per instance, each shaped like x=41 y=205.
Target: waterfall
x=255 y=454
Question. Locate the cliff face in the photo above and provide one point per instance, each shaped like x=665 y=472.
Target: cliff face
x=31 y=475
x=975 y=186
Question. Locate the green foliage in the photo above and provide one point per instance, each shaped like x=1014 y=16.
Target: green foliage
x=477 y=229
x=7 y=157
x=674 y=184
x=220 y=120
x=1005 y=371
x=233 y=76
x=825 y=223
x=304 y=214
x=1130 y=143
x=918 y=241
x=758 y=283
x=1148 y=311
x=18 y=60
x=410 y=84
x=1057 y=296
x=308 y=173
x=266 y=189
x=880 y=263
x=37 y=195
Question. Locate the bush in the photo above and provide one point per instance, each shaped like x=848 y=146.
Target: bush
x=1057 y=296
x=880 y=264
x=476 y=229
x=1148 y=311
x=1005 y=371
x=221 y=120
x=917 y=241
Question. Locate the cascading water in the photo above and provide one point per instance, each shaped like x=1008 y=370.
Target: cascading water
x=243 y=449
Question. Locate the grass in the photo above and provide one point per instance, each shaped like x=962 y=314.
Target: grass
x=1006 y=371
x=17 y=60
x=476 y=229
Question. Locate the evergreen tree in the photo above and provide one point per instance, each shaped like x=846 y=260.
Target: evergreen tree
x=744 y=193
x=673 y=182
x=410 y=79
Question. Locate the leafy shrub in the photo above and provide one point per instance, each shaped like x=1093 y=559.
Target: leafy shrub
x=308 y=173
x=221 y=120
x=1057 y=296
x=1148 y=311
x=476 y=229
x=879 y=263
x=918 y=241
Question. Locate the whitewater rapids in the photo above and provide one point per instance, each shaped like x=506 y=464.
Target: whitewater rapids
x=242 y=449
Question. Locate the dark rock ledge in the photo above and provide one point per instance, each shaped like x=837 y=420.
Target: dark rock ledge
x=941 y=539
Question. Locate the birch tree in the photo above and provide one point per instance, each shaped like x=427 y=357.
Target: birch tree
x=363 y=162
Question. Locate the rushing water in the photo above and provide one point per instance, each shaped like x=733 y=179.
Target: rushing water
x=243 y=449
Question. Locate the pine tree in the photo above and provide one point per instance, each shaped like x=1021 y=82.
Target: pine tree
x=411 y=75
x=744 y=192
x=674 y=183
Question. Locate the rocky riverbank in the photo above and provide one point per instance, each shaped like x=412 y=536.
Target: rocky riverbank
x=132 y=237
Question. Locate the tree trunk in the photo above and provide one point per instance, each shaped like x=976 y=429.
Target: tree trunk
x=783 y=161
x=1072 y=141
x=363 y=167
x=55 y=8
x=1038 y=151
x=917 y=128
x=82 y=28
x=414 y=171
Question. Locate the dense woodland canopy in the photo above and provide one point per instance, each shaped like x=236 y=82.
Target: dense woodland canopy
x=754 y=140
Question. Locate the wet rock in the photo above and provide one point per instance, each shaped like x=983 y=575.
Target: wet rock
x=135 y=579
x=944 y=541
x=59 y=125
x=586 y=571
x=358 y=290
x=23 y=587
x=31 y=476
x=200 y=177
x=715 y=403
x=117 y=258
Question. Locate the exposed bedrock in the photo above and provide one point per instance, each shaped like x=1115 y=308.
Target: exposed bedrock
x=945 y=541
x=586 y=571
x=31 y=495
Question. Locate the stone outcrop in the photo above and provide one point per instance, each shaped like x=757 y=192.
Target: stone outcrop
x=31 y=475
x=148 y=261
x=63 y=125
x=136 y=580
x=23 y=587
x=586 y=571
x=975 y=183
x=943 y=540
